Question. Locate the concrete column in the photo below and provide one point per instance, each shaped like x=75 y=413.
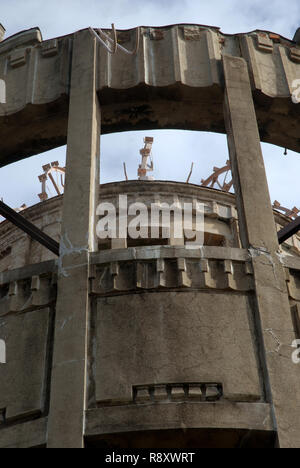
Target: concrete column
x=257 y=227
x=69 y=373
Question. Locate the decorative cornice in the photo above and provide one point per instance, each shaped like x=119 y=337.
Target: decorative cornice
x=27 y=294
x=170 y=393
x=176 y=64
x=166 y=269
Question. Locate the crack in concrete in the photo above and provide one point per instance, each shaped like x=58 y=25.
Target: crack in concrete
x=255 y=252
x=66 y=248
x=279 y=344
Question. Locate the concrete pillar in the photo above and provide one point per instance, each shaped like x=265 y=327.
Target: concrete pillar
x=69 y=372
x=257 y=227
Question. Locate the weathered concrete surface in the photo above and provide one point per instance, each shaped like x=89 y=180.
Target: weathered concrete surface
x=24 y=377
x=176 y=65
x=32 y=434
x=250 y=416
x=175 y=338
x=274 y=321
x=186 y=332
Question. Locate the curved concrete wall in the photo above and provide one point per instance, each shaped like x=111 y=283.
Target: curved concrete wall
x=164 y=328
x=221 y=221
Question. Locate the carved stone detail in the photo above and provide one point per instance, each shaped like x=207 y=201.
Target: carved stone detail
x=295 y=54
x=264 y=42
x=192 y=33
x=293 y=283
x=27 y=294
x=170 y=393
x=295 y=310
x=156 y=34
x=18 y=58
x=50 y=48
x=172 y=274
x=178 y=392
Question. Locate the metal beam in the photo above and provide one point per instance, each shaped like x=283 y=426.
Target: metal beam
x=289 y=230
x=29 y=228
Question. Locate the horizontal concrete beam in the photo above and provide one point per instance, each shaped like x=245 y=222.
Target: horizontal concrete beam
x=28 y=272
x=176 y=71
x=108 y=420
x=153 y=253
x=31 y=434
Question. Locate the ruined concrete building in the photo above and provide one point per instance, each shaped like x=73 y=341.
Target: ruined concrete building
x=149 y=343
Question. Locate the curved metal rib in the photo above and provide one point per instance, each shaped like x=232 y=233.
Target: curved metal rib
x=114 y=41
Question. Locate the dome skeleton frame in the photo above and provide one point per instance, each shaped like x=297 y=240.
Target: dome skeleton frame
x=49 y=170
x=36 y=234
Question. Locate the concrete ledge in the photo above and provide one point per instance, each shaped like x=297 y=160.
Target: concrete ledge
x=153 y=253
x=291 y=262
x=28 y=272
x=29 y=37
x=226 y=415
x=25 y=435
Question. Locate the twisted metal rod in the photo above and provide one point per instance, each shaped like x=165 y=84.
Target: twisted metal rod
x=114 y=41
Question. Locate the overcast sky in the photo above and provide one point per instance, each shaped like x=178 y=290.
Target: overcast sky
x=173 y=151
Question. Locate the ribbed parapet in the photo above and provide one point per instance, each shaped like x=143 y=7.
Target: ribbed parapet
x=174 y=80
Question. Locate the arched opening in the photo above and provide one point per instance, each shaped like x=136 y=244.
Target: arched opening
x=174 y=153
x=282 y=169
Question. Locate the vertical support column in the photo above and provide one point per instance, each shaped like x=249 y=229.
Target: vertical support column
x=258 y=233
x=69 y=372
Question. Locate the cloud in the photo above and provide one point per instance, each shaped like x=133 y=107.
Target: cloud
x=60 y=17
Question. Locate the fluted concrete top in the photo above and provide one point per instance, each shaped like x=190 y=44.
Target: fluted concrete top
x=2 y=32
x=174 y=80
